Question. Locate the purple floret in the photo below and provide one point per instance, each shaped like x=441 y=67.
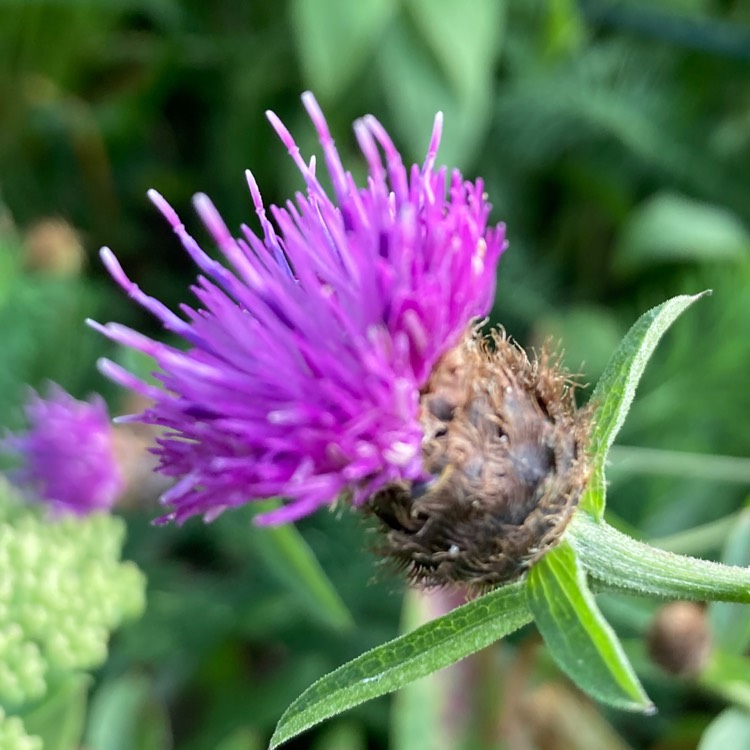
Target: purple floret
x=67 y=454
x=304 y=362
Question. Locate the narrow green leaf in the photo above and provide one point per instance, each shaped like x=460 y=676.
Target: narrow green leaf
x=701 y=540
x=683 y=464
x=730 y=623
x=615 y=390
x=125 y=715
x=578 y=637
x=620 y=562
x=406 y=658
x=288 y=555
x=674 y=228
x=60 y=717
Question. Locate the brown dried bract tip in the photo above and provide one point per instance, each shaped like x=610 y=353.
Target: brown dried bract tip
x=506 y=447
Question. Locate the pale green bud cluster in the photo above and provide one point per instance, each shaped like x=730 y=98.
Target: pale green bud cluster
x=63 y=589
x=13 y=736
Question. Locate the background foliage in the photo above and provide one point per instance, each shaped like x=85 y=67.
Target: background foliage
x=614 y=138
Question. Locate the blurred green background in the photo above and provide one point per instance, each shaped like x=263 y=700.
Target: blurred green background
x=614 y=139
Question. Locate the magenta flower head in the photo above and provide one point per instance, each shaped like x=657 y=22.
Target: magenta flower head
x=307 y=351
x=67 y=454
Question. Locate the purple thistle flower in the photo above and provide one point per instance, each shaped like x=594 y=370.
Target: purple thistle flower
x=67 y=453
x=304 y=362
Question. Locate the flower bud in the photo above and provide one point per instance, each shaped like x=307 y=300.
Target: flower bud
x=53 y=247
x=505 y=450
x=679 y=640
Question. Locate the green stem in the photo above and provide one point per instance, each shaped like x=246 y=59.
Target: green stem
x=620 y=562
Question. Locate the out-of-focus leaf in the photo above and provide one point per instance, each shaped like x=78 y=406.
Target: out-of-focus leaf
x=699 y=541
x=565 y=28
x=578 y=637
x=60 y=717
x=575 y=721
x=730 y=623
x=587 y=336
x=242 y=739
x=670 y=227
x=726 y=675
x=289 y=556
x=342 y=735
x=9 y=255
x=126 y=716
x=730 y=729
x=635 y=460
x=615 y=390
x=407 y=658
x=464 y=37
x=418 y=81
x=335 y=39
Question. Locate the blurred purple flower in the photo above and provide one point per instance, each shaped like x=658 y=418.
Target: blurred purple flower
x=67 y=454
x=304 y=362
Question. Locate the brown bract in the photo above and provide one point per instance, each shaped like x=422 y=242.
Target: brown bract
x=506 y=447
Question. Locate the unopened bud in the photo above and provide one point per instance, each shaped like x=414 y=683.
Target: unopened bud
x=679 y=639
x=53 y=247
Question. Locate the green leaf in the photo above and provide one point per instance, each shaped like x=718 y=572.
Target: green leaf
x=700 y=540
x=341 y=735
x=620 y=562
x=730 y=623
x=335 y=39
x=242 y=739
x=590 y=334
x=615 y=390
x=578 y=637
x=464 y=37
x=726 y=676
x=60 y=717
x=421 y=74
x=730 y=729
x=407 y=658
x=288 y=555
x=126 y=716
x=673 y=228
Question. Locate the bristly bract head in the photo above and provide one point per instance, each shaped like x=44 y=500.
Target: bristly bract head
x=504 y=446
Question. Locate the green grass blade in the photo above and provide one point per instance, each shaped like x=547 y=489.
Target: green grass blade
x=437 y=644
x=290 y=558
